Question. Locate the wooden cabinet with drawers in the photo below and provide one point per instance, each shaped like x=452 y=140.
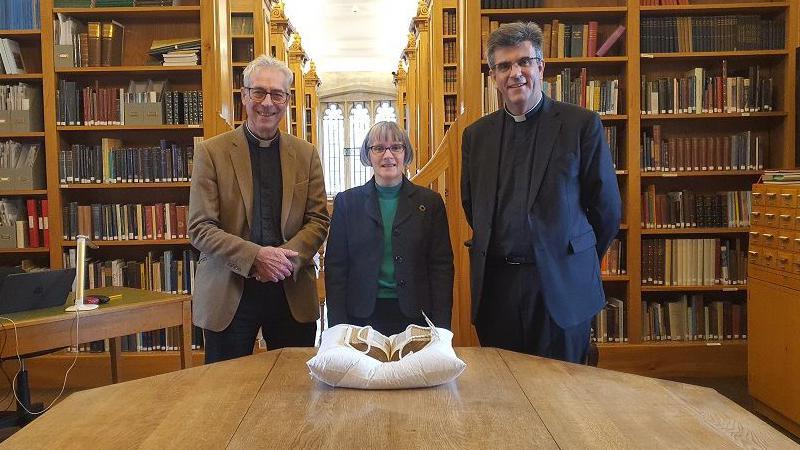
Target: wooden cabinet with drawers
x=773 y=303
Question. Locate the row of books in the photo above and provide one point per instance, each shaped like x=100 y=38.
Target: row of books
x=578 y=40
x=98 y=44
x=28 y=218
x=110 y=162
x=613 y=143
x=15 y=155
x=20 y=15
x=169 y=271
x=695 y=317
x=96 y=106
x=450 y=79
x=686 y=209
x=601 y=96
x=711 y=33
x=449 y=22
x=450 y=109
x=609 y=324
x=740 y=151
x=613 y=262
x=663 y=2
x=449 y=53
x=701 y=93
x=11 y=61
x=509 y=4
x=18 y=97
x=694 y=262
x=124 y=222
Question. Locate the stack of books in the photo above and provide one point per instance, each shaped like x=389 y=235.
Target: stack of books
x=781 y=176
x=176 y=52
x=180 y=58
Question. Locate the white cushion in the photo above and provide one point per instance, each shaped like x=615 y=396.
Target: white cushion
x=344 y=360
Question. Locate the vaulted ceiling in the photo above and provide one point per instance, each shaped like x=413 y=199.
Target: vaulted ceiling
x=352 y=35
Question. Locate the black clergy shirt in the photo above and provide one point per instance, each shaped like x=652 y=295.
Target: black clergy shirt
x=267 y=190
x=511 y=236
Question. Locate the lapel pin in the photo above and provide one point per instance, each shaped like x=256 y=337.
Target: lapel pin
x=422 y=208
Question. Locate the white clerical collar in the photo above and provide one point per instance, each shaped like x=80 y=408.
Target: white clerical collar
x=524 y=116
x=257 y=140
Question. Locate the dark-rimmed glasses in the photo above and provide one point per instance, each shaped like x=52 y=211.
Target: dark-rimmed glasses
x=258 y=95
x=378 y=150
x=523 y=63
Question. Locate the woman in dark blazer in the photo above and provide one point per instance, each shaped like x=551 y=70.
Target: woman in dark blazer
x=388 y=257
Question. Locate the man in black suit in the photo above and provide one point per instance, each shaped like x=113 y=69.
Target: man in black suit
x=540 y=193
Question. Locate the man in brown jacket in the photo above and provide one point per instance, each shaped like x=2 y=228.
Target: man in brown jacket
x=257 y=213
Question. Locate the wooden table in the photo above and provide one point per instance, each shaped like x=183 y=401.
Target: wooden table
x=137 y=310
x=502 y=400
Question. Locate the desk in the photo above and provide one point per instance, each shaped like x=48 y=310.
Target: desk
x=502 y=400
x=137 y=310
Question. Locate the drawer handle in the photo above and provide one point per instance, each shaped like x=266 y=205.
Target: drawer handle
x=771 y=194
x=756 y=213
x=797 y=240
x=758 y=194
x=783 y=238
x=767 y=235
x=786 y=195
x=770 y=215
x=785 y=216
x=754 y=253
x=754 y=234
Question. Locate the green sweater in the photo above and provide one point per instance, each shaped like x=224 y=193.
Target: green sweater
x=387 y=200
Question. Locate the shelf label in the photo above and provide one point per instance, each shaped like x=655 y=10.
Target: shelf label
x=730 y=289
x=648 y=55
x=669 y=174
x=713 y=344
x=745 y=114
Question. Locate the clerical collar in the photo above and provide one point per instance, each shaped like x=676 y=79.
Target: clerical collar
x=258 y=141
x=528 y=114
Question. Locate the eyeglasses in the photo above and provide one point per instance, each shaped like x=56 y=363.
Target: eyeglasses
x=378 y=150
x=523 y=63
x=258 y=95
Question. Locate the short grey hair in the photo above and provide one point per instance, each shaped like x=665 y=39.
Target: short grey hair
x=390 y=132
x=512 y=35
x=264 y=62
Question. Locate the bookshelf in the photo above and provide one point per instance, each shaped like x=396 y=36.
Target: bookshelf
x=311 y=105
x=444 y=32
x=628 y=64
x=297 y=63
x=411 y=101
x=16 y=245
x=201 y=19
x=280 y=31
x=400 y=78
x=422 y=28
x=249 y=38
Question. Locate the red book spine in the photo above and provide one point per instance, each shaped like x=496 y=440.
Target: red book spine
x=45 y=223
x=33 y=223
x=159 y=210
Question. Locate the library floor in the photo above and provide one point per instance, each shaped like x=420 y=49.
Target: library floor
x=733 y=388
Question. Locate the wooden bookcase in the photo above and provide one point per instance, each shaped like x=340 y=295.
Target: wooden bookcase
x=311 y=105
x=628 y=64
x=207 y=20
x=30 y=42
x=246 y=43
x=297 y=63
x=444 y=39
x=280 y=31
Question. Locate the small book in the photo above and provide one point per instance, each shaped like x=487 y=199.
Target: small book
x=603 y=50
x=393 y=348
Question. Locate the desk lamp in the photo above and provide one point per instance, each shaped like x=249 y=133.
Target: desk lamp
x=80 y=275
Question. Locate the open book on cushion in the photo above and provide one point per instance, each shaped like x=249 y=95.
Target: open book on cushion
x=361 y=358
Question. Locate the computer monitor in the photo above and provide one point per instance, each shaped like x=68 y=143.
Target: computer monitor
x=35 y=290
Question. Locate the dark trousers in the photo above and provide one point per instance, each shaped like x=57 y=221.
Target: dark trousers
x=264 y=306
x=513 y=316
x=387 y=318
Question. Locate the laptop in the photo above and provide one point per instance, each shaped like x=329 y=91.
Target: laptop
x=35 y=290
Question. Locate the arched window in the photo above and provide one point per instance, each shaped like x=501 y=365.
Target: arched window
x=333 y=148
x=385 y=113
x=360 y=121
